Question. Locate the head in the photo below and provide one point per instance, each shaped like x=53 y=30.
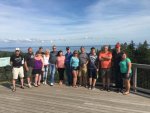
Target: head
x=106 y=48
x=60 y=53
x=93 y=51
x=47 y=51
x=41 y=49
x=118 y=46
x=38 y=54
x=75 y=53
x=17 y=51
x=30 y=51
x=82 y=49
x=54 y=48
x=68 y=49
x=124 y=55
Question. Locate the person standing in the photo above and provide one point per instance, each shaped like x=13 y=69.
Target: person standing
x=29 y=64
x=105 y=60
x=92 y=68
x=17 y=62
x=117 y=57
x=83 y=61
x=60 y=65
x=126 y=72
x=52 y=60
x=74 y=63
x=37 y=69
x=68 y=56
x=46 y=57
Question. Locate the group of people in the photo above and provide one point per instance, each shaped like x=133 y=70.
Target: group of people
x=82 y=69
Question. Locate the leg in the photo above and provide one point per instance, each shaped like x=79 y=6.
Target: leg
x=39 y=79
x=36 y=80
x=21 y=80
x=74 y=78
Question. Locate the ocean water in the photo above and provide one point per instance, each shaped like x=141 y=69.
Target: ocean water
x=63 y=48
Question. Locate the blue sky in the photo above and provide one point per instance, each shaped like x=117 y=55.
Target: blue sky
x=74 y=22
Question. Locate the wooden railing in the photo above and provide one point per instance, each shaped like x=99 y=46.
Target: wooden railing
x=135 y=77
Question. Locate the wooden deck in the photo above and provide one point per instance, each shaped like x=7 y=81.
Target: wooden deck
x=46 y=99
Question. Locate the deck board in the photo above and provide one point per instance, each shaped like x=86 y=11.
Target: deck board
x=46 y=99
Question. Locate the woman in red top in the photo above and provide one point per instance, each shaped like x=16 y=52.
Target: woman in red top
x=60 y=65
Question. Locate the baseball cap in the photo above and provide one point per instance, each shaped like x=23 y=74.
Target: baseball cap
x=17 y=49
x=118 y=45
x=67 y=48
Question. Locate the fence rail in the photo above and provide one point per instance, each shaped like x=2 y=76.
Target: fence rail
x=136 y=67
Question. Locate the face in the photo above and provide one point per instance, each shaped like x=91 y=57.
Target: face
x=118 y=48
x=75 y=54
x=124 y=56
x=40 y=50
x=68 y=50
x=17 y=53
x=82 y=50
x=93 y=51
x=61 y=53
x=30 y=50
x=106 y=49
x=54 y=48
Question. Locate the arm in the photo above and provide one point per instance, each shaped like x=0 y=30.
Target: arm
x=129 y=67
x=26 y=67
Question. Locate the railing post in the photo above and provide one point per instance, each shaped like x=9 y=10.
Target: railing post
x=134 y=78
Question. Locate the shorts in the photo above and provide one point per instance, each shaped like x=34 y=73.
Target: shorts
x=105 y=72
x=83 y=71
x=17 y=71
x=92 y=73
x=124 y=76
x=29 y=73
x=75 y=68
x=37 y=71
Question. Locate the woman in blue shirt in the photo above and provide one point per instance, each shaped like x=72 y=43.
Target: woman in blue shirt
x=74 y=63
x=126 y=72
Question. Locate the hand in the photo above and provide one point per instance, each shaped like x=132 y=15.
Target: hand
x=97 y=70
x=42 y=68
x=127 y=75
x=27 y=69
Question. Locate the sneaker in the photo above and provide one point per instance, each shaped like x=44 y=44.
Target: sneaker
x=35 y=85
x=22 y=87
x=51 y=84
x=43 y=83
x=90 y=87
x=29 y=85
x=93 y=88
x=13 y=89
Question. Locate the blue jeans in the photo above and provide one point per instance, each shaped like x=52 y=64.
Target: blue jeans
x=45 y=73
x=69 y=75
x=52 y=72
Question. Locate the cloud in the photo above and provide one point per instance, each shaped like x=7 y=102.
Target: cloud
x=102 y=21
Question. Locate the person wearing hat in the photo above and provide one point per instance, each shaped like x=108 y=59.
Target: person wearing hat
x=116 y=59
x=83 y=58
x=68 y=56
x=74 y=63
x=52 y=60
x=17 y=62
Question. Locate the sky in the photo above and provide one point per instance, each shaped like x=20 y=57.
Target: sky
x=73 y=22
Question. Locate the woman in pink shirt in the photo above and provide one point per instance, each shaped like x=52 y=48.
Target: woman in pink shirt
x=60 y=65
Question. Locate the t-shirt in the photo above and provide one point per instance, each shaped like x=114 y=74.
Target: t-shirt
x=105 y=63
x=83 y=58
x=29 y=58
x=117 y=57
x=17 y=61
x=74 y=62
x=60 y=62
x=53 y=57
x=124 y=65
x=93 y=61
x=46 y=59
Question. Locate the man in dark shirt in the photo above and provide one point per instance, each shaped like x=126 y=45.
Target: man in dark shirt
x=52 y=60
x=16 y=61
x=116 y=60
x=68 y=56
x=29 y=63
